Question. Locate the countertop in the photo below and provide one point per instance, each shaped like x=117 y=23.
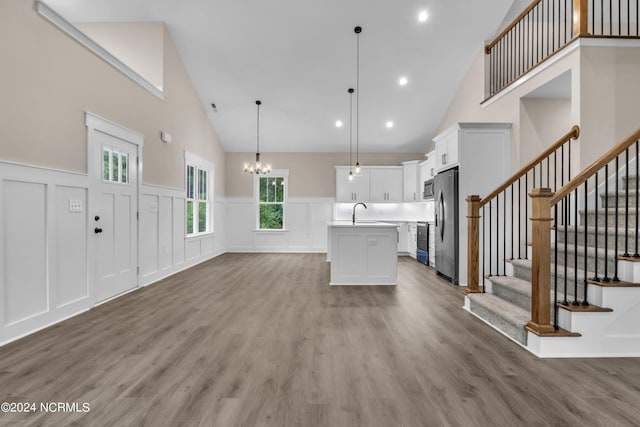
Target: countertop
x=362 y=223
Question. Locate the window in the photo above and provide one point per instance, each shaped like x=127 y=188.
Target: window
x=198 y=179
x=115 y=165
x=271 y=196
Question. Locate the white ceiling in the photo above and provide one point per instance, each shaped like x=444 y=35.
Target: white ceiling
x=299 y=58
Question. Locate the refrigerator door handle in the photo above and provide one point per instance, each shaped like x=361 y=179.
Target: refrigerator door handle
x=442 y=215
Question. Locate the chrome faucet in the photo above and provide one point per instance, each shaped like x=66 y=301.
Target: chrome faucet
x=353 y=218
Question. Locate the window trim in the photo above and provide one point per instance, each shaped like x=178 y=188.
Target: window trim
x=275 y=173
x=199 y=164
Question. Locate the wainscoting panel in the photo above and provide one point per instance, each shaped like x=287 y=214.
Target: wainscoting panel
x=43 y=249
x=71 y=246
x=306 y=226
x=25 y=262
x=164 y=250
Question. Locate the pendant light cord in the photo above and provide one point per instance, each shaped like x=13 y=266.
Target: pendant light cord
x=350 y=129
x=357 y=96
x=258 y=129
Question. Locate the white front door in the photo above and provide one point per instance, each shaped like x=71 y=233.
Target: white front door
x=114 y=225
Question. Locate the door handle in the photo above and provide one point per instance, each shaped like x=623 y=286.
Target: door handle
x=444 y=159
x=97 y=230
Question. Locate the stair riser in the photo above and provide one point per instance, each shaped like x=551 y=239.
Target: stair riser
x=591 y=239
x=516 y=298
x=622 y=200
x=525 y=274
x=629 y=182
x=610 y=219
x=591 y=261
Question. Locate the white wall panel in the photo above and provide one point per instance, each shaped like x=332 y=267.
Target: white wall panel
x=220 y=226
x=178 y=230
x=193 y=248
x=71 y=245
x=25 y=255
x=149 y=206
x=298 y=216
x=165 y=232
x=241 y=221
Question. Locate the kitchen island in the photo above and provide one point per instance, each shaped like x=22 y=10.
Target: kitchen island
x=364 y=253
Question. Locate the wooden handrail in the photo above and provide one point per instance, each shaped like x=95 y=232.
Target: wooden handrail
x=504 y=32
x=605 y=159
x=574 y=133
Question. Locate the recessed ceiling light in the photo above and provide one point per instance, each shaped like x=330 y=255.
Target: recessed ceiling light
x=423 y=16
x=389 y=124
x=338 y=123
x=403 y=81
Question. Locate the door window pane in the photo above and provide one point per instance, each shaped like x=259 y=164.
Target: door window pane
x=125 y=166
x=106 y=162
x=115 y=163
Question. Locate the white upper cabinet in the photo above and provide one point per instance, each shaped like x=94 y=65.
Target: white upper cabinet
x=411 y=181
x=351 y=191
x=446 y=149
x=385 y=184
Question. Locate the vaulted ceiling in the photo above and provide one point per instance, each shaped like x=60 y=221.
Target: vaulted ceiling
x=299 y=58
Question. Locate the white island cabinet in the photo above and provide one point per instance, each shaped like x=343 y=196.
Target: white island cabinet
x=364 y=253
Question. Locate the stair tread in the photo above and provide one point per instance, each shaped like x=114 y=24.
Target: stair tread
x=520 y=285
x=503 y=308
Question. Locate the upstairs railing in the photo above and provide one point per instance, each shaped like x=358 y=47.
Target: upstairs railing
x=498 y=226
x=599 y=225
x=547 y=26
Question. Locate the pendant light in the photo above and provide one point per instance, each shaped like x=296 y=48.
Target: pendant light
x=350 y=133
x=257 y=167
x=358 y=30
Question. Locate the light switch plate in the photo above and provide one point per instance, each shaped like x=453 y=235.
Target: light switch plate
x=75 y=206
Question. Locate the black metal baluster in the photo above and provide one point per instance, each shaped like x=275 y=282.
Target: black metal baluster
x=575 y=247
x=619 y=19
x=626 y=207
x=484 y=248
x=498 y=235
x=562 y=177
x=593 y=21
x=512 y=234
x=635 y=254
x=533 y=181
x=566 y=244
x=615 y=250
x=526 y=215
x=606 y=225
x=490 y=238
x=586 y=241
x=540 y=165
x=504 y=235
x=555 y=171
x=519 y=218
x=555 y=268
x=595 y=217
x=547 y=20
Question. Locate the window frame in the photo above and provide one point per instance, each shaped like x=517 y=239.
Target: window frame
x=275 y=173
x=199 y=165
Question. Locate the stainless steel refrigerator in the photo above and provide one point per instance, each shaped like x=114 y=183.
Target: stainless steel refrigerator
x=447 y=227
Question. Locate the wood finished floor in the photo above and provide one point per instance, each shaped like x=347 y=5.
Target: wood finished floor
x=262 y=340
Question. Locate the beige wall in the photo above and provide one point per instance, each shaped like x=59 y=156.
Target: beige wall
x=542 y=122
x=610 y=91
x=49 y=80
x=137 y=44
x=310 y=174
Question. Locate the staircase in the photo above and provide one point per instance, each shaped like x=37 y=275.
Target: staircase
x=604 y=325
